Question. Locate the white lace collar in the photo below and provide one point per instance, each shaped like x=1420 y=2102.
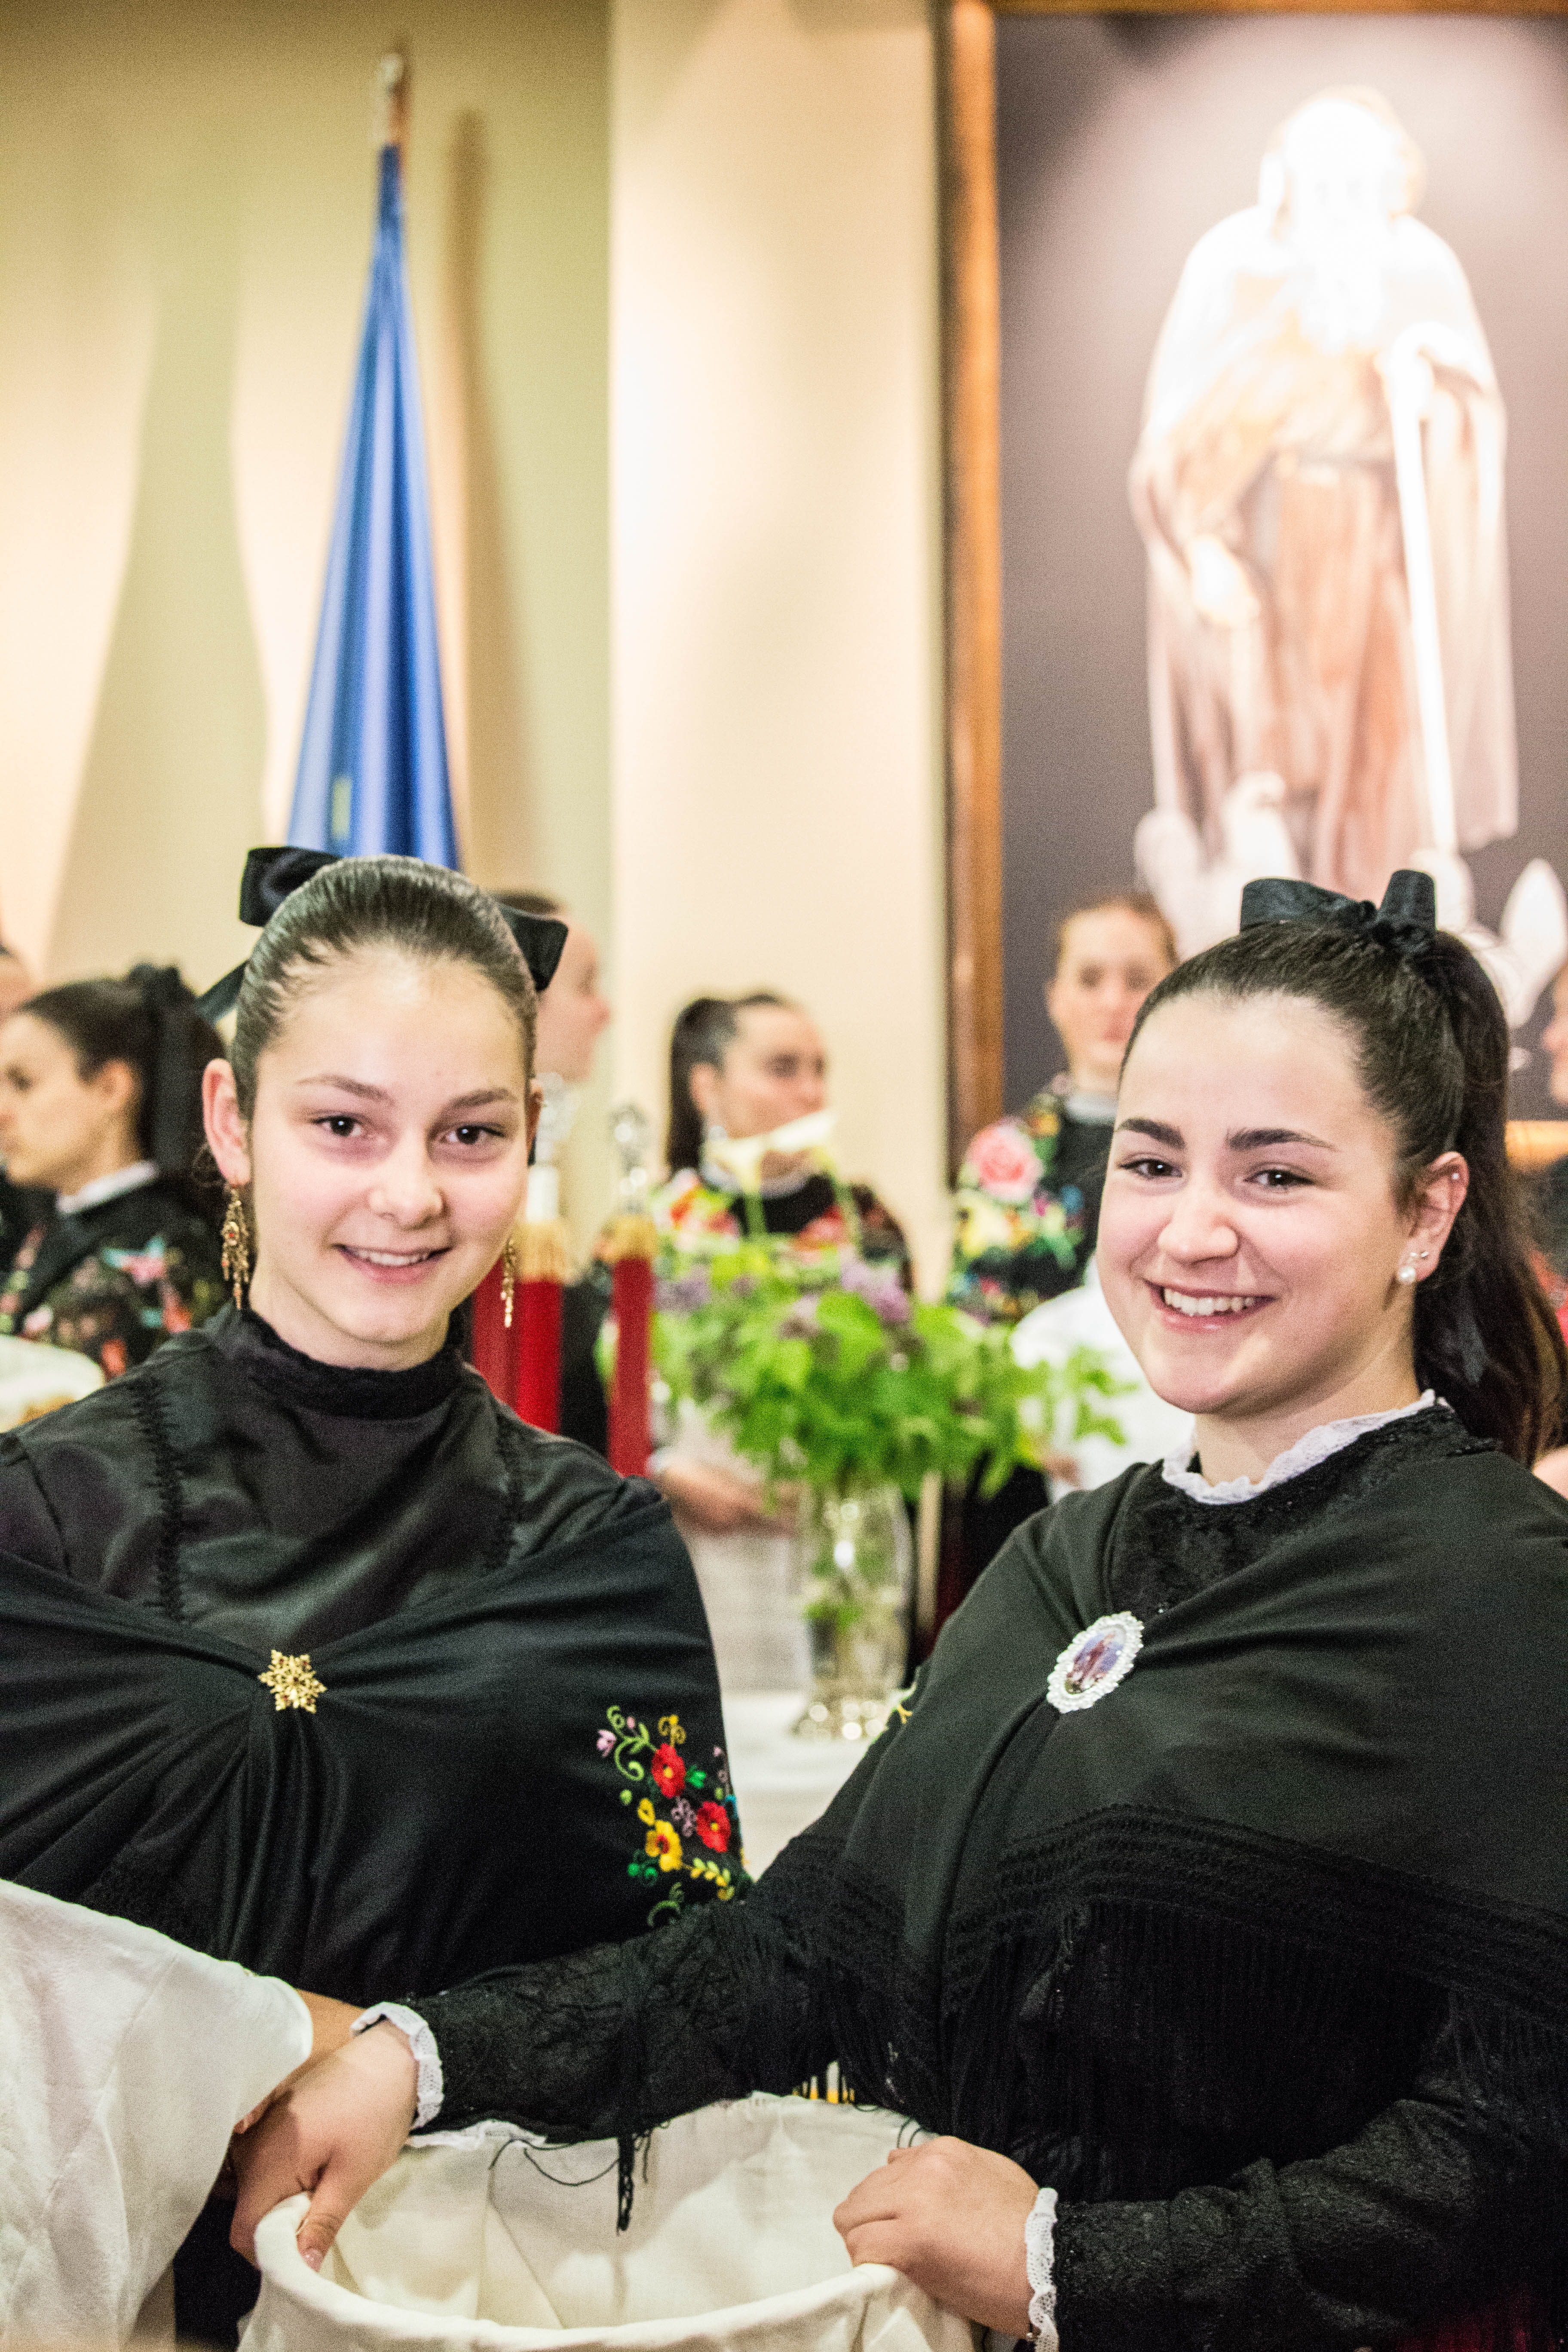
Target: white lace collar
x=1089 y=1109
x=107 y=1187
x=1305 y=1454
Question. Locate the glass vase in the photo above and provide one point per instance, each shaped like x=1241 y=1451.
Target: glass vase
x=857 y=1570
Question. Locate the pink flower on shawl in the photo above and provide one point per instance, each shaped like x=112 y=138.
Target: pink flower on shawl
x=1002 y=1162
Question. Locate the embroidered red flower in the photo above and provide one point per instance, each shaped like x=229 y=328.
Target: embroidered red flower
x=713 y=1827
x=669 y=1771
x=1003 y=1164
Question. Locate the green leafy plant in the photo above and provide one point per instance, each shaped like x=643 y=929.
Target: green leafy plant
x=831 y=1376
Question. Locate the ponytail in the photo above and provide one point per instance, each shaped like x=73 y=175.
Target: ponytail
x=1432 y=1046
x=1485 y=1335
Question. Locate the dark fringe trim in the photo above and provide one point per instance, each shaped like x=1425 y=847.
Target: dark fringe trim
x=1144 y=2003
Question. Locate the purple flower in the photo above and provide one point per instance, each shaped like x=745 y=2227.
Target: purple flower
x=685 y=1294
x=878 y=1287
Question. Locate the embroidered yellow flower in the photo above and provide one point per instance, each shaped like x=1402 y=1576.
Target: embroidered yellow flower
x=646 y=1814
x=663 y=1846
x=984 y=1224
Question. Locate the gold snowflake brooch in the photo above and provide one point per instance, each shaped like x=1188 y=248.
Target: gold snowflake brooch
x=291 y=1682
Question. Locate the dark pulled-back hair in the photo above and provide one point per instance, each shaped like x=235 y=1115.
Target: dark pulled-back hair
x=367 y=903
x=704 y=1031
x=148 y=1021
x=1432 y=1054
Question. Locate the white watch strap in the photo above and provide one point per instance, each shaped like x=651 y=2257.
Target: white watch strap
x=1039 y=2248
x=426 y=2057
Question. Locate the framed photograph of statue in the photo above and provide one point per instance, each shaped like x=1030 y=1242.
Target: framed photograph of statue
x=1280 y=485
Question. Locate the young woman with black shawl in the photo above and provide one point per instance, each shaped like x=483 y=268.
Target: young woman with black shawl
x=101 y=1123
x=1210 y=1894
x=316 y=1658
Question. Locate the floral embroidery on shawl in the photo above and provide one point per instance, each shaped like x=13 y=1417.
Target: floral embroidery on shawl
x=1016 y=1227
x=116 y=1306
x=695 y=1841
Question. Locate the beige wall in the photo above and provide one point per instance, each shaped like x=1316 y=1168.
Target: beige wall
x=777 y=792
x=186 y=204
x=185 y=213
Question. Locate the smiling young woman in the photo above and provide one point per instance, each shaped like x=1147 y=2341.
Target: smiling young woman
x=1209 y=1897
x=316 y=1657
x=1308 y=1215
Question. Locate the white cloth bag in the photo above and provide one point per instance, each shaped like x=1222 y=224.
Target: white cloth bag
x=125 y=2063
x=488 y=2239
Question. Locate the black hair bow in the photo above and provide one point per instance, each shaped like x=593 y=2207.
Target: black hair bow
x=1406 y=921
x=273 y=875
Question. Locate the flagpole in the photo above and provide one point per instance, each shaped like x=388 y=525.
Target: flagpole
x=372 y=776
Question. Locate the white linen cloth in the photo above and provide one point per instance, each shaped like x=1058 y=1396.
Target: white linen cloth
x=488 y=2238
x=125 y=2063
x=1149 y=1427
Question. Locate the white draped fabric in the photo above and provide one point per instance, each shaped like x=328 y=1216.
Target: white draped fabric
x=488 y=2239
x=125 y=2063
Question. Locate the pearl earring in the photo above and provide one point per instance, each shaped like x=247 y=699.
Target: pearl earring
x=1407 y=1271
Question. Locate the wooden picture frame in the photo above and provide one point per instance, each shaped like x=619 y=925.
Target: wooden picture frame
x=971 y=368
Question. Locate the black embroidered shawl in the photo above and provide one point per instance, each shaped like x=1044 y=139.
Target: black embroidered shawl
x=518 y=1730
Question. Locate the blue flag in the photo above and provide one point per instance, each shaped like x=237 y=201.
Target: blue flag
x=373 y=761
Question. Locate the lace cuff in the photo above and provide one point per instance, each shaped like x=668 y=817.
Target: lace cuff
x=1039 y=2246
x=426 y=2057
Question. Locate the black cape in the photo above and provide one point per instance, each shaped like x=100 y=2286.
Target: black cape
x=473 y=1596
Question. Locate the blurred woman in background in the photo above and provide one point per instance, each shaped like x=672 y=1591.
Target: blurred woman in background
x=574 y=1013
x=19 y=1210
x=1029 y=1191
x=1028 y=1205
x=101 y=1116
x=740 y=1069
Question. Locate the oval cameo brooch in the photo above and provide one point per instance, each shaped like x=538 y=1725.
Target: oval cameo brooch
x=1094 y=1661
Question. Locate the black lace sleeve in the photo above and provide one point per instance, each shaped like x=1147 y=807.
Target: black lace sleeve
x=605 y=2043
x=1425 y=2215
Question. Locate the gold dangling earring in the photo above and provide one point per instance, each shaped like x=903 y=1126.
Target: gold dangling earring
x=507 y=1280
x=236 y=1239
